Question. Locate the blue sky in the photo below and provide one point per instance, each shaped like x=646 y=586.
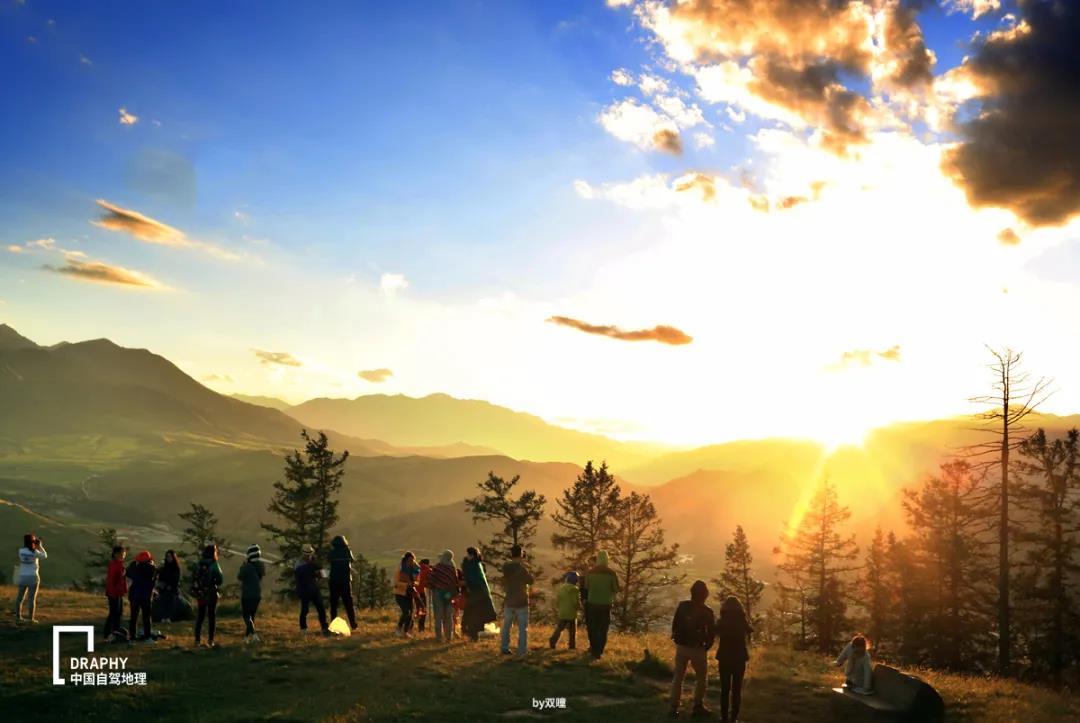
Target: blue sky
x=419 y=186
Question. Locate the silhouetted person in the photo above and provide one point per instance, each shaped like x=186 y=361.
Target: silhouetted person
x=205 y=588
x=516 y=581
x=250 y=575
x=341 y=578
x=732 y=632
x=307 y=574
x=142 y=573
x=169 y=585
x=601 y=585
x=479 y=610
x=692 y=630
x=405 y=593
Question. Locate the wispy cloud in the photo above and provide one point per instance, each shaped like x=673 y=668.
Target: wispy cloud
x=280 y=358
x=85 y=60
x=144 y=228
x=393 y=284
x=218 y=378
x=103 y=273
x=126 y=118
x=375 y=376
x=662 y=333
x=866 y=357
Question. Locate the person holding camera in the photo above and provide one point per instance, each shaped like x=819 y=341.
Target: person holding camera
x=30 y=556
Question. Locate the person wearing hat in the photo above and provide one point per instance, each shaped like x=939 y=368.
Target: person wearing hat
x=142 y=573
x=601 y=585
x=307 y=573
x=567 y=601
x=442 y=586
x=250 y=576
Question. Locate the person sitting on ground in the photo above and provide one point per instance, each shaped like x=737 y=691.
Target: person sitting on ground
x=732 y=632
x=143 y=574
x=30 y=556
x=115 y=590
x=567 y=602
x=601 y=585
x=169 y=585
x=250 y=576
x=858 y=668
x=341 y=578
x=479 y=609
x=422 y=594
x=516 y=579
x=692 y=629
x=206 y=589
x=308 y=573
x=405 y=593
x=442 y=586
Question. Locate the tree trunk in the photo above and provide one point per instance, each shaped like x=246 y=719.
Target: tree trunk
x=1004 y=646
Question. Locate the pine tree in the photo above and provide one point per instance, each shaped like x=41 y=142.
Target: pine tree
x=375 y=589
x=642 y=561
x=911 y=636
x=876 y=592
x=738 y=576
x=199 y=531
x=586 y=518
x=818 y=558
x=1047 y=488
x=950 y=524
x=97 y=560
x=306 y=501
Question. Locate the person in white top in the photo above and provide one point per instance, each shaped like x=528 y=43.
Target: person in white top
x=30 y=556
x=858 y=669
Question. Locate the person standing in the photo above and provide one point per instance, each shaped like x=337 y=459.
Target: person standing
x=169 y=586
x=567 y=602
x=442 y=586
x=250 y=576
x=732 y=632
x=341 y=578
x=693 y=630
x=308 y=573
x=30 y=556
x=405 y=593
x=115 y=590
x=601 y=586
x=516 y=581
x=142 y=573
x=479 y=610
x=422 y=594
x=205 y=588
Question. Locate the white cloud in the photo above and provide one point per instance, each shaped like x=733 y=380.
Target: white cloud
x=126 y=118
x=685 y=116
x=621 y=76
x=651 y=84
x=704 y=140
x=633 y=122
x=974 y=8
x=392 y=284
x=85 y=60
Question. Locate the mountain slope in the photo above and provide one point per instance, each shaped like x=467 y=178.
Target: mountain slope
x=270 y=402
x=438 y=420
x=11 y=340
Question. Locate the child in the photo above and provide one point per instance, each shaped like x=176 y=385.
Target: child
x=567 y=601
x=405 y=593
x=307 y=573
x=250 y=577
x=422 y=594
x=858 y=669
x=205 y=588
x=143 y=574
x=115 y=590
x=169 y=585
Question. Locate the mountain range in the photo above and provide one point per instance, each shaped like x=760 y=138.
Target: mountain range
x=93 y=434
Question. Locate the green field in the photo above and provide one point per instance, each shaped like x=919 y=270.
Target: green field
x=374 y=676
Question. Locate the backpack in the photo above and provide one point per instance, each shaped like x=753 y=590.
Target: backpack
x=202 y=583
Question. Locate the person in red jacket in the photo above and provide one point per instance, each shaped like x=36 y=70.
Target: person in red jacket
x=422 y=594
x=115 y=590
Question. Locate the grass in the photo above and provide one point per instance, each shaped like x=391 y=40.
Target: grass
x=374 y=676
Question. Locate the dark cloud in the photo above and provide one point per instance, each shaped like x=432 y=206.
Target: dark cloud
x=668 y=140
x=375 y=376
x=102 y=273
x=281 y=358
x=663 y=334
x=1022 y=150
x=905 y=47
x=866 y=357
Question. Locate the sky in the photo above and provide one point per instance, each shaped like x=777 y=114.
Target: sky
x=685 y=222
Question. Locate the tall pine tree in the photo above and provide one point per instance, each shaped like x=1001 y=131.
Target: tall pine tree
x=587 y=516
x=738 y=576
x=643 y=562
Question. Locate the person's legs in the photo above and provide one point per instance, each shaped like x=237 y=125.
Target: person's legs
x=321 y=610
x=133 y=626
x=31 y=593
x=681 y=659
x=146 y=618
x=523 y=629
x=725 y=690
x=335 y=595
x=504 y=637
x=736 y=690
x=199 y=621
x=590 y=626
x=437 y=611
x=701 y=676
x=248 y=615
x=116 y=612
x=211 y=615
x=20 y=594
x=406 y=612
x=571 y=625
x=554 y=639
x=350 y=609
x=254 y=612
x=603 y=623
x=305 y=601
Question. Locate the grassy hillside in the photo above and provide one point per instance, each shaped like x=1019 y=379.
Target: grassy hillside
x=66 y=544
x=374 y=676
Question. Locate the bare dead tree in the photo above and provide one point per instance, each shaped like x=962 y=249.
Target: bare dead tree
x=1014 y=395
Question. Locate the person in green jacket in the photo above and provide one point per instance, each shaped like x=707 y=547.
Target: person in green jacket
x=479 y=610
x=567 y=601
x=601 y=585
x=250 y=576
